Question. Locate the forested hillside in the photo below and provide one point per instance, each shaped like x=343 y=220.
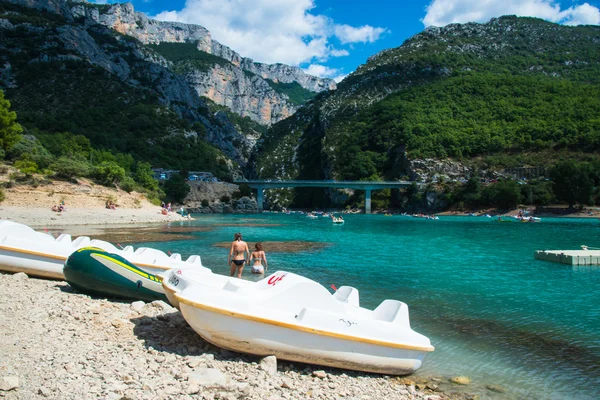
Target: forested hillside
x=514 y=92
x=62 y=76
x=134 y=85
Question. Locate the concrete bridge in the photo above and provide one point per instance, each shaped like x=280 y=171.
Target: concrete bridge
x=367 y=186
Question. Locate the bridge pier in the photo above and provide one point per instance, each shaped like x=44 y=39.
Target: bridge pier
x=367 y=201
x=259 y=198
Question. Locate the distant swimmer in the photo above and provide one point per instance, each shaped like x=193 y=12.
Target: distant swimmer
x=237 y=255
x=258 y=256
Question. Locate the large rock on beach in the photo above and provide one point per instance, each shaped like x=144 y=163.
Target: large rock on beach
x=9 y=383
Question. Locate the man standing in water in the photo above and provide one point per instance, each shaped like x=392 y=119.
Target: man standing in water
x=238 y=255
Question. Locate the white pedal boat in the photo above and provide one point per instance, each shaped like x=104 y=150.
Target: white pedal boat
x=22 y=249
x=297 y=319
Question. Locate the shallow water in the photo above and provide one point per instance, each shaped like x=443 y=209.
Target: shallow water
x=492 y=311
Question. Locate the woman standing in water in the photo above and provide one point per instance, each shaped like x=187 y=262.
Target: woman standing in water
x=258 y=255
x=237 y=255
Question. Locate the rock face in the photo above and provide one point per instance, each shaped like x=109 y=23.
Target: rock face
x=248 y=95
x=216 y=198
x=117 y=39
x=240 y=84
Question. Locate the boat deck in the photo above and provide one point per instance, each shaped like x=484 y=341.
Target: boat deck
x=571 y=257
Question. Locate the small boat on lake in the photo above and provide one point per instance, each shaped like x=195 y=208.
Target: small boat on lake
x=95 y=271
x=22 y=249
x=297 y=319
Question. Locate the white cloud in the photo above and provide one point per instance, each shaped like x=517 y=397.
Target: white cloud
x=364 y=34
x=272 y=31
x=443 y=12
x=584 y=14
x=339 y=53
x=323 y=71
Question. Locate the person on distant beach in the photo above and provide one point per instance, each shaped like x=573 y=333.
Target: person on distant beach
x=258 y=255
x=237 y=255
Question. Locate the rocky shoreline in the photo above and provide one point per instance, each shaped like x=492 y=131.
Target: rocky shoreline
x=59 y=344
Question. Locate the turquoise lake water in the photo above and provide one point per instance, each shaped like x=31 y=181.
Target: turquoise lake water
x=493 y=312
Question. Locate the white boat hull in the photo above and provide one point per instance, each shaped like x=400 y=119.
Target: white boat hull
x=43 y=265
x=288 y=343
x=297 y=319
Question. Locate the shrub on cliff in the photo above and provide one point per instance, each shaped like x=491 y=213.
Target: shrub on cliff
x=128 y=184
x=109 y=173
x=67 y=168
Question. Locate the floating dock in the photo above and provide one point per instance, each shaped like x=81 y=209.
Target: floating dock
x=571 y=257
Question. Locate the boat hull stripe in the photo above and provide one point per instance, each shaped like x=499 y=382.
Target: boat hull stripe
x=34 y=253
x=63 y=258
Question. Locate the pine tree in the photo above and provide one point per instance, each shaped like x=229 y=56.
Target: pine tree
x=10 y=130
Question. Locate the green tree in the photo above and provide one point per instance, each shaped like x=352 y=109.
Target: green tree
x=571 y=182
x=29 y=148
x=10 y=130
x=68 y=168
x=245 y=190
x=109 y=173
x=503 y=195
x=144 y=176
x=507 y=195
x=127 y=184
x=471 y=192
x=176 y=187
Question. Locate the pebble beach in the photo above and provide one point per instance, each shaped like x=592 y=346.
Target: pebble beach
x=56 y=343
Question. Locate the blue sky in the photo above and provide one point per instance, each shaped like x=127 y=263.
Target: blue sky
x=330 y=38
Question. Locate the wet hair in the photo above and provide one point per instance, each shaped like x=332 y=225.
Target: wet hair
x=258 y=246
x=237 y=236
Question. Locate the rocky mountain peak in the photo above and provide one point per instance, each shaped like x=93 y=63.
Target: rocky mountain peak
x=125 y=20
x=265 y=93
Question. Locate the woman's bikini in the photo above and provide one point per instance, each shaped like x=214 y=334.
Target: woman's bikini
x=238 y=262
x=257 y=266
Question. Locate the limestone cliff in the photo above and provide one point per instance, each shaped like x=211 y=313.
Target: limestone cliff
x=239 y=84
x=124 y=43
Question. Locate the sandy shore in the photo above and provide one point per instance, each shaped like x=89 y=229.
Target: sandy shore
x=44 y=217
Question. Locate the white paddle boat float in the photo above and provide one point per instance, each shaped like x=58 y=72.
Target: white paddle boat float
x=297 y=319
x=22 y=249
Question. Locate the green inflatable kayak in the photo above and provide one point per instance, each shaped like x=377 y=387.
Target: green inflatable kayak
x=95 y=271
